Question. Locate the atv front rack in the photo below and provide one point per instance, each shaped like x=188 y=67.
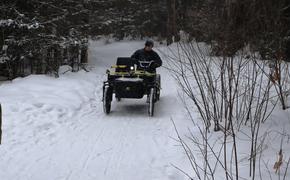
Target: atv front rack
x=133 y=72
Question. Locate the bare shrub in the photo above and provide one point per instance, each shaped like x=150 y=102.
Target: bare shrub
x=228 y=92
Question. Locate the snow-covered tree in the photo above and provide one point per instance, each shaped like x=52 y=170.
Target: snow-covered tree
x=33 y=31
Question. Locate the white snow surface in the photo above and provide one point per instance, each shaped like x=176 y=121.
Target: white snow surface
x=55 y=128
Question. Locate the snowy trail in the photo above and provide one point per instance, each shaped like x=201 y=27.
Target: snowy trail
x=55 y=129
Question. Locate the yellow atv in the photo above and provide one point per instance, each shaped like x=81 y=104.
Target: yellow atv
x=130 y=78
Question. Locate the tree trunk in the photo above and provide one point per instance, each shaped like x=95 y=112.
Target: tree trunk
x=172 y=35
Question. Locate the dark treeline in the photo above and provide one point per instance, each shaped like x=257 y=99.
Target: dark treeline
x=264 y=25
x=228 y=25
x=135 y=18
x=52 y=32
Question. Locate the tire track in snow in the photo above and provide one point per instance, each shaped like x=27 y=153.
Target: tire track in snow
x=92 y=149
x=116 y=148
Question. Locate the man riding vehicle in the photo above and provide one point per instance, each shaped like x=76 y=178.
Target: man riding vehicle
x=148 y=54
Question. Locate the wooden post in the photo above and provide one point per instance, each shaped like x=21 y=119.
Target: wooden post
x=0 y=124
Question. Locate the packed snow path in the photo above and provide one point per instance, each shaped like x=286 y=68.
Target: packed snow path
x=55 y=129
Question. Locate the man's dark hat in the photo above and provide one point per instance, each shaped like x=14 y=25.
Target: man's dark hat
x=149 y=43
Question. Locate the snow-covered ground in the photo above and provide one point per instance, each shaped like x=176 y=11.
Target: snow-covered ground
x=55 y=128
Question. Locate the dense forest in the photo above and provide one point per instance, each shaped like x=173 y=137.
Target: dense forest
x=39 y=36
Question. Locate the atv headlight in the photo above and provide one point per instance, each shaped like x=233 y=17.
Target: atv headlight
x=132 y=67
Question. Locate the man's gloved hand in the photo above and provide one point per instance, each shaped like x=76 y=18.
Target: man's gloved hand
x=153 y=65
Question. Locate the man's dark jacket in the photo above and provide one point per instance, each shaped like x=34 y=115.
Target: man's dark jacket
x=143 y=55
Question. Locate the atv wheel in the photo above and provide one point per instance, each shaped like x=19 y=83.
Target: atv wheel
x=151 y=102
x=107 y=96
x=158 y=82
